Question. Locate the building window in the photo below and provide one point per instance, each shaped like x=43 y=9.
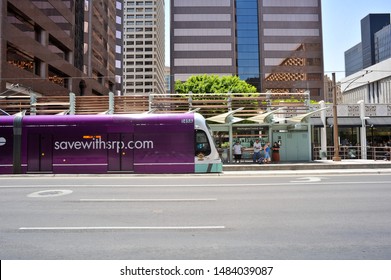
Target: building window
x=314 y=77
x=22 y=23
x=57 y=48
x=57 y=77
x=248 y=41
x=314 y=62
x=20 y=59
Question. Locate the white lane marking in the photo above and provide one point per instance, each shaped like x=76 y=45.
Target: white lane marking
x=121 y=228
x=50 y=193
x=148 y=200
x=307 y=180
x=193 y=185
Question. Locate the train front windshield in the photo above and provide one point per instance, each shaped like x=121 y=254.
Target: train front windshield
x=202 y=143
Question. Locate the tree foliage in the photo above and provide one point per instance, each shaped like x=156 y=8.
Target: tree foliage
x=213 y=84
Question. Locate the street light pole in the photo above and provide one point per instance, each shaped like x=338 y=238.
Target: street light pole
x=336 y=156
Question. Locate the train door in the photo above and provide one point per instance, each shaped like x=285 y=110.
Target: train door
x=120 y=156
x=40 y=153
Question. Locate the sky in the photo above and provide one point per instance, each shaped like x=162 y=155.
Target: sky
x=341 y=29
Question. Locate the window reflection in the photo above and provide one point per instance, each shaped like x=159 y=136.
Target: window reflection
x=286 y=73
x=248 y=41
x=20 y=59
x=22 y=23
x=57 y=77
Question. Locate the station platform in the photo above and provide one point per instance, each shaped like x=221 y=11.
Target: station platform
x=313 y=165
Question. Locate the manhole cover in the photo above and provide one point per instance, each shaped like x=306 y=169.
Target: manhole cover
x=50 y=193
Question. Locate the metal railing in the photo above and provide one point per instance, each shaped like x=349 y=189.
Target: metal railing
x=207 y=104
x=353 y=152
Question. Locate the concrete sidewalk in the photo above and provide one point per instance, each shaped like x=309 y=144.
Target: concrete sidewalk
x=314 y=165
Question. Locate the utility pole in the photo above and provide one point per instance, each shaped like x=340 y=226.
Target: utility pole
x=336 y=156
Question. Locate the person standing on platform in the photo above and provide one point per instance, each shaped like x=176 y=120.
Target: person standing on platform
x=257 y=151
x=237 y=149
x=276 y=152
x=267 y=151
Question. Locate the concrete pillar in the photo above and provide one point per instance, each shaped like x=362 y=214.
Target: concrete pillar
x=309 y=133
x=230 y=137
x=72 y=103
x=33 y=106
x=150 y=102
x=323 y=132
x=363 y=130
x=111 y=103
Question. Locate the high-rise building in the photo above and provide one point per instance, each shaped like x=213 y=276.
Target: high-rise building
x=328 y=89
x=202 y=38
x=371 y=24
x=374 y=46
x=143 y=49
x=274 y=45
x=58 y=46
x=118 y=48
x=383 y=44
x=167 y=74
x=353 y=59
x=292 y=48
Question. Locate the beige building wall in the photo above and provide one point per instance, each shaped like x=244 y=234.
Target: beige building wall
x=217 y=37
x=291 y=46
x=143 y=49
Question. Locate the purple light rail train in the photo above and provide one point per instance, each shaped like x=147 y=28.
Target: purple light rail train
x=92 y=144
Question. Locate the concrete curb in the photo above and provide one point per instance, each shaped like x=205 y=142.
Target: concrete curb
x=308 y=173
x=310 y=166
x=315 y=168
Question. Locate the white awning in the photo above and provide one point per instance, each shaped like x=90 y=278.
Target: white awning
x=226 y=117
x=265 y=117
x=303 y=117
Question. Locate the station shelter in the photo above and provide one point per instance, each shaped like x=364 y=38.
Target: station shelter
x=292 y=134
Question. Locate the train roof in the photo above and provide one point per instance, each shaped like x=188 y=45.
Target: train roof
x=97 y=119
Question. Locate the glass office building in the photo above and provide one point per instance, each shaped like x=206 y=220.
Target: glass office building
x=353 y=60
x=274 y=45
x=375 y=45
x=371 y=24
x=383 y=44
x=247 y=41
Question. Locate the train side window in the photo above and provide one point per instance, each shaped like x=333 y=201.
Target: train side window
x=202 y=143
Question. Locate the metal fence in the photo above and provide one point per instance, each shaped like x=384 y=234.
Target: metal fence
x=353 y=152
x=207 y=104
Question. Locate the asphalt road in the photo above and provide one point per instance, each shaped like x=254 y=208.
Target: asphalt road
x=196 y=217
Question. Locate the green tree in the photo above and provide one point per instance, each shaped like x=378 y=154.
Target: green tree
x=214 y=84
